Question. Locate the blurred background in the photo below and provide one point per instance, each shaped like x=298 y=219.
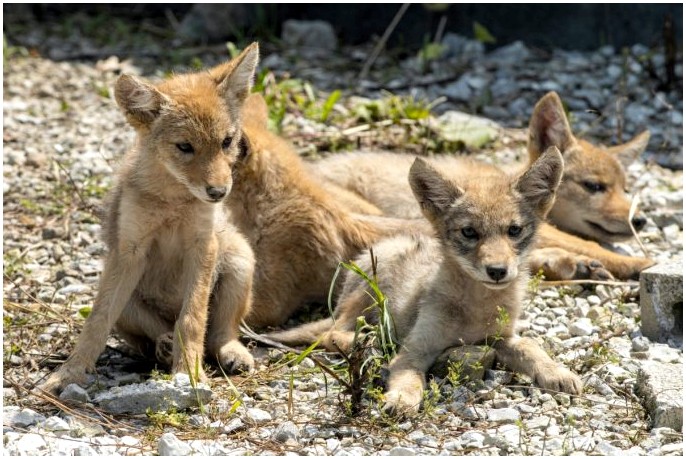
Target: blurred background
x=547 y=26
x=618 y=68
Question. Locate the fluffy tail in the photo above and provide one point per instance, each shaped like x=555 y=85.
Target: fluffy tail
x=303 y=334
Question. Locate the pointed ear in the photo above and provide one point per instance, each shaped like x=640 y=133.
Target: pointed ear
x=538 y=184
x=140 y=102
x=548 y=126
x=235 y=78
x=629 y=152
x=434 y=193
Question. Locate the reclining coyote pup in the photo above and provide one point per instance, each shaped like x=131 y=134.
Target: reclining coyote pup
x=171 y=250
x=591 y=201
x=448 y=290
x=298 y=232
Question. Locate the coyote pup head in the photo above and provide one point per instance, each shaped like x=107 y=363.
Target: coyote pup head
x=592 y=199
x=487 y=223
x=189 y=125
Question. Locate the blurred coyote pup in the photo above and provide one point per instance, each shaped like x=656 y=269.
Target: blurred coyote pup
x=172 y=255
x=452 y=289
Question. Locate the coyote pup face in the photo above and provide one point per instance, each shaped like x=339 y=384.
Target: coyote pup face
x=592 y=199
x=487 y=224
x=189 y=125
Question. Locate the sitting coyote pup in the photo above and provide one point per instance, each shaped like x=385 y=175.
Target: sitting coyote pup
x=449 y=290
x=171 y=251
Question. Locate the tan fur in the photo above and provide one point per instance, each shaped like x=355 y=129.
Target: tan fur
x=440 y=291
x=379 y=179
x=298 y=231
x=173 y=257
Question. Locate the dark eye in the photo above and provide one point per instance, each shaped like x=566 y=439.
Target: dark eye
x=594 y=187
x=186 y=148
x=470 y=233
x=514 y=231
x=226 y=143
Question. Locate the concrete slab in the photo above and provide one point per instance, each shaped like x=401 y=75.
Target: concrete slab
x=660 y=387
x=662 y=303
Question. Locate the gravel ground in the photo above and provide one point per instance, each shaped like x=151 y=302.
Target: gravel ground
x=62 y=138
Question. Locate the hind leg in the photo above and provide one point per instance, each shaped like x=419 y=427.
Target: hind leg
x=146 y=331
x=229 y=305
x=341 y=336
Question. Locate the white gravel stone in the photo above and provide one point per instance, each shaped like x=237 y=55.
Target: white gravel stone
x=169 y=445
x=55 y=424
x=503 y=415
x=401 y=451
x=607 y=449
x=581 y=327
x=31 y=444
x=155 y=395
x=285 y=432
x=257 y=415
x=21 y=417
x=76 y=393
x=640 y=344
x=472 y=439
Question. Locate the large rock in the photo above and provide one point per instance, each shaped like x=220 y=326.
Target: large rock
x=154 y=395
x=215 y=21
x=309 y=34
x=662 y=303
x=472 y=131
x=660 y=385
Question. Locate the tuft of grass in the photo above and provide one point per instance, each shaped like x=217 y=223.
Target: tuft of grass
x=85 y=311
x=395 y=108
x=171 y=417
x=535 y=282
x=374 y=344
x=160 y=375
x=292 y=95
x=102 y=91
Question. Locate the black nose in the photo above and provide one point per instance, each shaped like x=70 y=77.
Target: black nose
x=216 y=193
x=638 y=222
x=496 y=272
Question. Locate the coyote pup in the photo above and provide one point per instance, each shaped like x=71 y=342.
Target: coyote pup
x=450 y=289
x=173 y=258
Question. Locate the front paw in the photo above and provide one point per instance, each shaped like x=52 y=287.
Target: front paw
x=234 y=358
x=558 y=379
x=164 y=349
x=588 y=268
x=402 y=403
x=62 y=378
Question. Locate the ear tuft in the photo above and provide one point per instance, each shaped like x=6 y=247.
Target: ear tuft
x=539 y=183
x=549 y=126
x=140 y=102
x=434 y=193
